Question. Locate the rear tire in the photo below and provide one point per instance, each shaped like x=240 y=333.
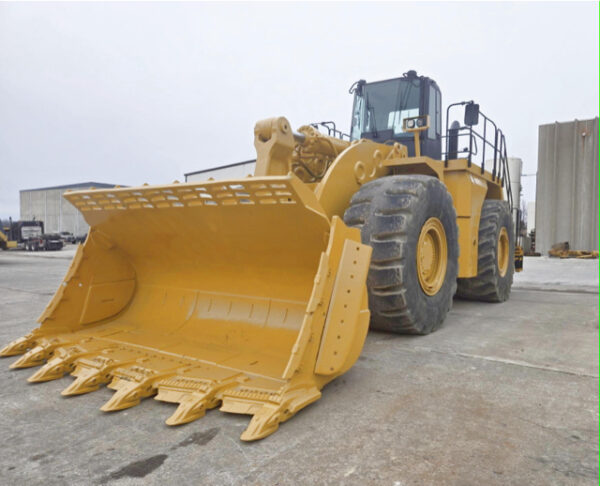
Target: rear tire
x=393 y=213
x=494 y=274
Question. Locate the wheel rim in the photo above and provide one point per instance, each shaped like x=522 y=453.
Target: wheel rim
x=432 y=256
x=503 y=252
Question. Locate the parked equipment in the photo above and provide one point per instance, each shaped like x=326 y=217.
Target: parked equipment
x=79 y=239
x=45 y=242
x=19 y=233
x=5 y=243
x=6 y=240
x=563 y=250
x=30 y=236
x=252 y=294
x=67 y=237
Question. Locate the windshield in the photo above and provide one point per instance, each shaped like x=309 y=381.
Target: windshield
x=383 y=106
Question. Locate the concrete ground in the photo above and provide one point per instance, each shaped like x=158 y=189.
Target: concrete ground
x=502 y=394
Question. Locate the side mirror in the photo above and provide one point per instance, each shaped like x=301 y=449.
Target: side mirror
x=471 y=114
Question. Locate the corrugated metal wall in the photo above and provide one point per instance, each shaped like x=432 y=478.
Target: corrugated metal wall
x=566 y=206
x=50 y=207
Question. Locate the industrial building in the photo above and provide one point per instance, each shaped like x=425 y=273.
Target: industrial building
x=230 y=171
x=566 y=206
x=515 y=169
x=47 y=204
x=530 y=216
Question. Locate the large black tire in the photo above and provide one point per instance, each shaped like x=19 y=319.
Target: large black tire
x=489 y=285
x=390 y=213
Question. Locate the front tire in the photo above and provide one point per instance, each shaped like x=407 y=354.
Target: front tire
x=496 y=256
x=410 y=222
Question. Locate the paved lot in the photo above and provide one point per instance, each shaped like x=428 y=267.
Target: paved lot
x=502 y=394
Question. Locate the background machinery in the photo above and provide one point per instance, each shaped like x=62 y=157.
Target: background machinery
x=18 y=233
x=252 y=294
x=44 y=242
x=6 y=242
x=29 y=235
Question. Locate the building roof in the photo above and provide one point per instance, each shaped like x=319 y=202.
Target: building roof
x=220 y=167
x=586 y=120
x=80 y=185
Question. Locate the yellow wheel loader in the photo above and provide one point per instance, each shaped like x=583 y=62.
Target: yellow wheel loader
x=252 y=294
x=6 y=241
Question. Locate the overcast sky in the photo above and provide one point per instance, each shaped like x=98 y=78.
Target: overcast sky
x=131 y=93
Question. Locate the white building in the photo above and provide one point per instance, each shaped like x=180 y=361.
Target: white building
x=238 y=170
x=567 y=185
x=530 y=216
x=47 y=204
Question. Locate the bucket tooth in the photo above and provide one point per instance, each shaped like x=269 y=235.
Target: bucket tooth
x=33 y=357
x=196 y=390
x=54 y=369
x=18 y=346
x=88 y=380
x=128 y=394
x=41 y=352
x=137 y=381
x=263 y=423
x=93 y=371
x=63 y=360
x=192 y=407
x=269 y=405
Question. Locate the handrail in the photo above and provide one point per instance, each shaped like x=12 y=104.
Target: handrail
x=500 y=170
x=332 y=130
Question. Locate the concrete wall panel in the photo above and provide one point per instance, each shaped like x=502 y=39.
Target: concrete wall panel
x=49 y=206
x=567 y=185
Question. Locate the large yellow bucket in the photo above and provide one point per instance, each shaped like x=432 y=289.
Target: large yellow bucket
x=239 y=293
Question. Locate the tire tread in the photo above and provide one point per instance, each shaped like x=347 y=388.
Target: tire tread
x=384 y=210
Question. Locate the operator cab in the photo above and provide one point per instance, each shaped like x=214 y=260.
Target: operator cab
x=381 y=107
